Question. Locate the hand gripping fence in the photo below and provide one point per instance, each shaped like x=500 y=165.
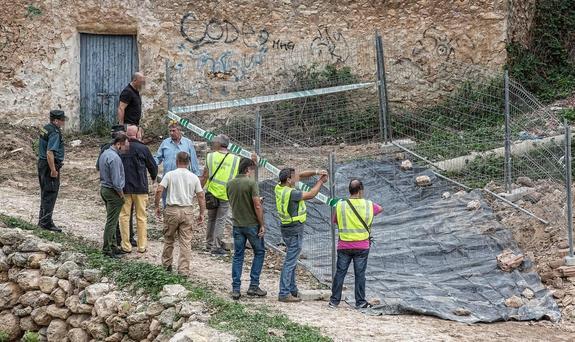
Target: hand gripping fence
x=209 y=136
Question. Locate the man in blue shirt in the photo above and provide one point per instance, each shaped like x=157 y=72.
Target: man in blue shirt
x=169 y=149
x=50 y=161
x=112 y=182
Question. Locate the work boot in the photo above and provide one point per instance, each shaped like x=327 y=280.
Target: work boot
x=52 y=228
x=219 y=252
x=236 y=295
x=289 y=299
x=113 y=255
x=256 y=291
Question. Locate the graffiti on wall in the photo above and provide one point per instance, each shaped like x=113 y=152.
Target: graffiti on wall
x=330 y=43
x=200 y=33
x=437 y=45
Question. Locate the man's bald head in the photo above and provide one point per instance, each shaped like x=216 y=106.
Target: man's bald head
x=132 y=132
x=138 y=80
x=355 y=187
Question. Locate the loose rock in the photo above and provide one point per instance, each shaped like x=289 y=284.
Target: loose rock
x=56 y=312
x=514 y=302
x=34 y=299
x=175 y=290
x=10 y=325
x=57 y=330
x=139 y=331
x=507 y=261
x=167 y=317
x=78 y=335
x=95 y=291
x=65 y=269
x=406 y=165
x=92 y=275
x=77 y=319
x=528 y=293
x=47 y=284
x=474 y=205
x=106 y=306
x=9 y=295
x=154 y=309
x=28 y=279
x=461 y=312
x=423 y=181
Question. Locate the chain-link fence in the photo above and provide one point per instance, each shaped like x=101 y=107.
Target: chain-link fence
x=472 y=126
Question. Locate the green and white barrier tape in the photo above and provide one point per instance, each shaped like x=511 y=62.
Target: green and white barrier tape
x=245 y=153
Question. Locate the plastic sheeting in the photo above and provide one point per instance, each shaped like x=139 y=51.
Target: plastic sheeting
x=431 y=255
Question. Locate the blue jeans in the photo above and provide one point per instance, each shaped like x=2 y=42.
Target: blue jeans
x=344 y=258
x=241 y=234
x=293 y=243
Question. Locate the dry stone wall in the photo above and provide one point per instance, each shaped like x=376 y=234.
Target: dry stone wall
x=47 y=290
x=40 y=44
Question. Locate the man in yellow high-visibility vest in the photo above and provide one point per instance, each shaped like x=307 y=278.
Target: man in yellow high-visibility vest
x=354 y=217
x=221 y=167
x=292 y=213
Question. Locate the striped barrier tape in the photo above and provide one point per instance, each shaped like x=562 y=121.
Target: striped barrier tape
x=245 y=153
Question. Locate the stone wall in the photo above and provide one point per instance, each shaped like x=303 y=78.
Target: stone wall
x=47 y=290
x=521 y=15
x=39 y=45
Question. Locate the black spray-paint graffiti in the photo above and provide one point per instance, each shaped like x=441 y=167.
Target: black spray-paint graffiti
x=331 y=43
x=199 y=33
x=437 y=45
x=230 y=64
x=279 y=45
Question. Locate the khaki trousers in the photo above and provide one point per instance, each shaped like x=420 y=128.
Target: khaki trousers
x=140 y=204
x=178 y=221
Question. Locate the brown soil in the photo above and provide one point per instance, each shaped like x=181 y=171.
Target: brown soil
x=79 y=211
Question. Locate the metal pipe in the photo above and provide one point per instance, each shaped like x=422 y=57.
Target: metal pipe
x=332 y=225
x=383 y=129
x=515 y=206
x=568 y=184
x=507 y=136
x=258 y=140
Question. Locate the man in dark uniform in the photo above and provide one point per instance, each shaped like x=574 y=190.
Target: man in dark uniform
x=130 y=106
x=50 y=161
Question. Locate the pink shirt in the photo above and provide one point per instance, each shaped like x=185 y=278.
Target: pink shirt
x=364 y=244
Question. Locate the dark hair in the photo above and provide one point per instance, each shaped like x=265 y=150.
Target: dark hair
x=120 y=137
x=285 y=174
x=183 y=158
x=355 y=186
x=245 y=165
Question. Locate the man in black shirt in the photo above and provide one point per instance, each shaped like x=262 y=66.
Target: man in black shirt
x=130 y=106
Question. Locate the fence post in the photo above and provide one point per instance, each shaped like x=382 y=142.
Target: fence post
x=258 y=139
x=569 y=260
x=168 y=84
x=332 y=225
x=384 y=125
x=507 y=136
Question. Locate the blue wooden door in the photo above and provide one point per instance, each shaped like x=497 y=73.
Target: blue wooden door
x=107 y=63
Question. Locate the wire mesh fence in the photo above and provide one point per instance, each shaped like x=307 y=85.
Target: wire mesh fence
x=297 y=107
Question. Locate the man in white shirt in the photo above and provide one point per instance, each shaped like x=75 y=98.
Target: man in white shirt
x=181 y=186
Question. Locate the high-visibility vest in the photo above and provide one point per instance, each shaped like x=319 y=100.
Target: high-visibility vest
x=349 y=226
x=227 y=172
x=283 y=194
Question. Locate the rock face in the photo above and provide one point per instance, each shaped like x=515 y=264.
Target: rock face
x=249 y=41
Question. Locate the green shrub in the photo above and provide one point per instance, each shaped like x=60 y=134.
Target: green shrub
x=30 y=336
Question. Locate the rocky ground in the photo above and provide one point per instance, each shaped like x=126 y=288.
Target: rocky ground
x=80 y=211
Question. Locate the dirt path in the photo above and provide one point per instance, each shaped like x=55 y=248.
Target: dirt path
x=79 y=211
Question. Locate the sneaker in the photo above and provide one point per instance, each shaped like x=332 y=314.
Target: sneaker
x=219 y=252
x=289 y=299
x=364 y=306
x=236 y=295
x=332 y=306
x=256 y=291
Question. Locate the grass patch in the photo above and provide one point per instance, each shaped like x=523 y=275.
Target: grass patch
x=248 y=323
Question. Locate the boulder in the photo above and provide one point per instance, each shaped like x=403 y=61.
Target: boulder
x=138 y=317
x=507 y=261
x=75 y=276
x=12 y=237
x=65 y=285
x=92 y=275
x=169 y=301
x=167 y=317
x=77 y=319
x=40 y=316
x=78 y=335
x=47 y=284
x=95 y=291
x=76 y=257
x=155 y=327
x=28 y=279
x=117 y=324
x=174 y=290
x=116 y=337
x=65 y=269
x=48 y=267
x=97 y=329
x=73 y=303
x=191 y=308
x=514 y=302
x=139 y=331
x=35 y=299
x=18 y=259
x=57 y=330
x=56 y=312
x=9 y=295
x=28 y=324
x=106 y=306
x=154 y=309
x=21 y=311
x=59 y=296
x=199 y=332
x=34 y=260
x=422 y=181
x=10 y=325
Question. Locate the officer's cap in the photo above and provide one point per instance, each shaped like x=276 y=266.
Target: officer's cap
x=58 y=114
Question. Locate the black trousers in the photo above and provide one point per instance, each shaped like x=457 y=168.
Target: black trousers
x=49 y=187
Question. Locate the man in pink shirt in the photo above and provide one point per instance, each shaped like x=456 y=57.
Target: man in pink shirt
x=354 y=217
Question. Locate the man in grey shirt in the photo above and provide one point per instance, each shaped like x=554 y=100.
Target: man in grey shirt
x=112 y=182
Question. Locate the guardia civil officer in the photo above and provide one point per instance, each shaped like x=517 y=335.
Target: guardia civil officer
x=50 y=161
